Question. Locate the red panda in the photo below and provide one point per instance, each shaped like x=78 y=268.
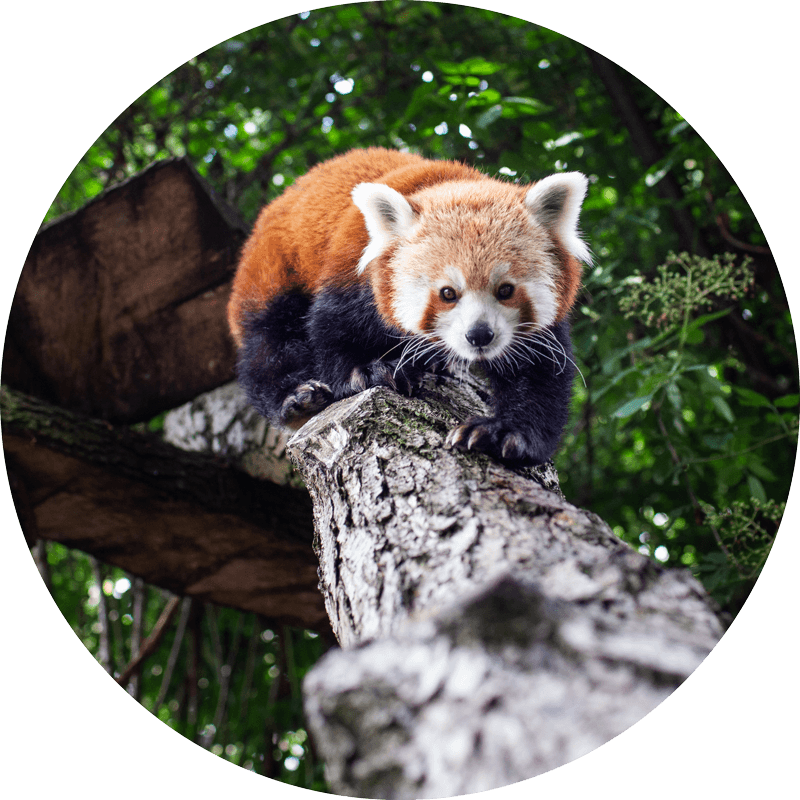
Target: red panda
x=377 y=265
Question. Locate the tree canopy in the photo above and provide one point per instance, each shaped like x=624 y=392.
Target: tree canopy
x=684 y=424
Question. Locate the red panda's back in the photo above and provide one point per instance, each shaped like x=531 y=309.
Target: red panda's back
x=313 y=235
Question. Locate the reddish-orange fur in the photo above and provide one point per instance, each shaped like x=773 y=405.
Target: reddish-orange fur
x=312 y=235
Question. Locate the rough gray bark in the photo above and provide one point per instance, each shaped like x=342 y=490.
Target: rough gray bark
x=222 y=422
x=491 y=630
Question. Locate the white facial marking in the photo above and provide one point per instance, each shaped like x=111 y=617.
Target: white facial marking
x=542 y=294
x=410 y=299
x=454 y=278
x=474 y=307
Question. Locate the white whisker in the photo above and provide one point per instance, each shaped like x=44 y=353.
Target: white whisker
x=416 y=347
x=532 y=343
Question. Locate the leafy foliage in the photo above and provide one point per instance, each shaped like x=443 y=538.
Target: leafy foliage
x=224 y=679
x=684 y=425
x=683 y=399
x=685 y=284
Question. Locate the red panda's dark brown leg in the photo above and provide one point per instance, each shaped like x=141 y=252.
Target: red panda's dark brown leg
x=354 y=348
x=276 y=365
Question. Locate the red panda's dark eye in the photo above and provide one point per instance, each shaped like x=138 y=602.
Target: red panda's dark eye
x=504 y=291
x=448 y=294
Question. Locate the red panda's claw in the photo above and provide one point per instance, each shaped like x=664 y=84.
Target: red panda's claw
x=376 y=373
x=468 y=436
x=408 y=378
x=489 y=435
x=306 y=400
x=403 y=380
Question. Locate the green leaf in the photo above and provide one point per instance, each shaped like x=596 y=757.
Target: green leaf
x=632 y=406
x=747 y=397
x=756 y=488
x=787 y=401
x=529 y=104
x=618 y=376
x=484 y=98
x=472 y=66
x=706 y=318
x=722 y=408
x=674 y=395
x=489 y=116
x=694 y=335
x=757 y=468
x=717 y=441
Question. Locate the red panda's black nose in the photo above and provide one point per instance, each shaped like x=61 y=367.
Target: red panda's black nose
x=480 y=334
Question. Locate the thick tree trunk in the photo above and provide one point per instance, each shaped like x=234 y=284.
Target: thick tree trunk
x=491 y=630
x=188 y=522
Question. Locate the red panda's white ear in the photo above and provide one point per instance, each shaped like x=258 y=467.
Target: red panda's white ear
x=555 y=202
x=387 y=215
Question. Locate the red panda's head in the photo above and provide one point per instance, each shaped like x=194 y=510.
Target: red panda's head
x=473 y=266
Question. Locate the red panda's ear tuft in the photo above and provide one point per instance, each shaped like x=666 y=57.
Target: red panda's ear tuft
x=387 y=215
x=555 y=202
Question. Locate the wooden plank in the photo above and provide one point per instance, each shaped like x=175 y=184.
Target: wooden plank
x=120 y=308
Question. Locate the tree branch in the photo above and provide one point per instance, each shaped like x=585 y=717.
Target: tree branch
x=187 y=522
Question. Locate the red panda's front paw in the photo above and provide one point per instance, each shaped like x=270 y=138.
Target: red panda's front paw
x=495 y=438
x=306 y=400
x=407 y=377
x=404 y=380
x=376 y=373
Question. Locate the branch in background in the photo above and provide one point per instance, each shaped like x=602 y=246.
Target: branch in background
x=184 y=521
x=152 y=641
